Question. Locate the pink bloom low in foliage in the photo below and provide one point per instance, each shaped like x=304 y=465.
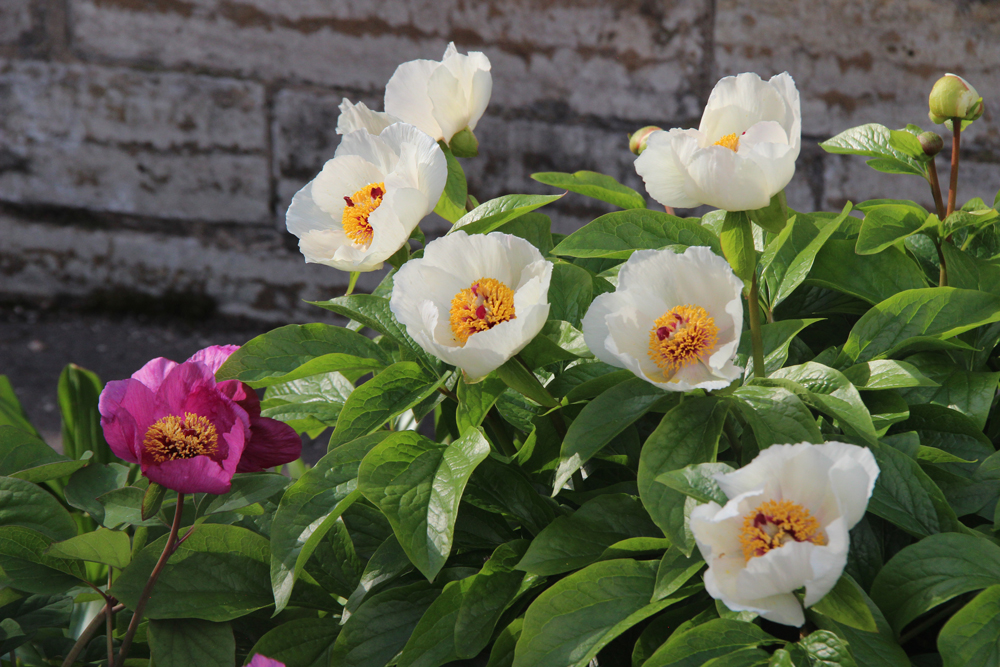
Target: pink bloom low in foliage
x=188 y=432
x=261 y=661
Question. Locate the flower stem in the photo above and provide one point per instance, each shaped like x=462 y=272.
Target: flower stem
x=943 y=273
x=88 y=632
x=756 y=335
x=956 y=128
x=140 y=606
x=932 y=177
x=110 y=618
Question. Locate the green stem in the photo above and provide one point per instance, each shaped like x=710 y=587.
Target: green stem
x=756 y=335
x=140 y=606
x=956 y=129
x=352 y=282
x=85 y=636
x=943 y=273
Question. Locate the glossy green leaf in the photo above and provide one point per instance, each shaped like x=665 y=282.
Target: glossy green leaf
x=490 y=215
x=695 y=646
x=570 y=293
x=246 y=489
x=601 y=420
x=873 y=140
x=777 y=338
x=936 y=311
x=418 y=484
x=867 y=277
x=28 y=567
x=475 y=400
x=26 y=457
x=888 y=225
x=86 y=485
x=308 y=509
x=187 y=642
x=845 y=603
x=788 y=259
x=831 y=392
x=887 y=374
x=302 y=642
x=932 y=571
x=25 y=504
x=110 y=547
x=968 y=392
x=617 y=235
x=451 y=205
x=79 y=391
x=675 y=570
x=389 y=394
x=574 y=541
x=971 y=638
x=736 y=238
x=595 y=185
x=776 y=415
x=502 y=653
x=825 y=649
x=577 y=616
x=11 y=411
x=295 y=351
x=697 y=481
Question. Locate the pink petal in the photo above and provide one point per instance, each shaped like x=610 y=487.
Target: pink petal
x=127 y=409
x=213 y=356
x=196 y=475
x=272 y=443
x=180 y=383
x=262 y=661
x=153 y=373
x=242 y=394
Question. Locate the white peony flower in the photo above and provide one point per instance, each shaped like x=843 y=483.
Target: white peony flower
x=358 y=116
x=674 y=320
x=741 y=155
x=362 y=207
x=441 y=98
x=473 y=301
x=784 y=527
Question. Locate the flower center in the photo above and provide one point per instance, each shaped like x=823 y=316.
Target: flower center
x=173 y=437
x=359 y=206
x=681 y=336
x=481 y=307
x=776 y=522
x=730 y=141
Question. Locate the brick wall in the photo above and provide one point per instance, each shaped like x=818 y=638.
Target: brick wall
x=151 y=146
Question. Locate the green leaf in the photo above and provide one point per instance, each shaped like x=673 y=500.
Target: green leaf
x=110 y=547
x=218 y=573
x=570 y=293
x=475 y=400
x=695 y=646
x=873 y=279
x=523 y=381
x=124 y=506
x=687 y=434
x=970 y=272
x=26 y=457
x=246 y=489
x=451 y=205
x=374 y=312
x=887 y=374
x=577 y=616
x=888 y=225
x=969 y=638
x=505 y=489
x=975 y=219
x=932 y=571
x=309 y=405
x=536 y=228
x=773 y=217
x=388 y=562
x=788 y=259
x=302 y=642
x=28 y=567
x=941 y=312
x=79 y=391
x=697 y=481
x=25 y=504
x=968 y=392
x=826 y=649
x=152 y=499
x=465 y=144
x=186 y=642
x=11 y=412
x=675 y=570
x=777 y=337
x=387 y=395
x=379 y=629
x=574 y=541
x=907 y=142
x=617 y=235
x=744 y=657
x=776 y=415
x=595 y=185
x=873 y=140
x=86 y=485
x=906 y=496
x=601 y=420
x=736 y=238
x=831 y=392
x=845 y=603
x=418 y=484
x=297 y=351
x=490 y=215
x=309 y=508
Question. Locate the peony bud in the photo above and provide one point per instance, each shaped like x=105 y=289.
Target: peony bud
x=931 y=142
x=953 y=97
x=464 y=144
x=637 y=140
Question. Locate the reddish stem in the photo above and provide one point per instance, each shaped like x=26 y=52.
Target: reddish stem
x=956 y=128
x=936 y=188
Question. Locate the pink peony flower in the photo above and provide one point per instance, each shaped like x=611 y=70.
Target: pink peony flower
x=188 y=432
x=261 y=661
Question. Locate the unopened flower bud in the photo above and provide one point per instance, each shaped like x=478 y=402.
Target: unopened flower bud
x=931 y=142
x=464 y=144
x=954 y=97
x=637 y=140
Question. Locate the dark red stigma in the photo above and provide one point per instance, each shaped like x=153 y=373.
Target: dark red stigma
x=377 y=192
x=475 y=289
x=481 y=312
x=349 y=202
x=662 y=333
x=759 y=520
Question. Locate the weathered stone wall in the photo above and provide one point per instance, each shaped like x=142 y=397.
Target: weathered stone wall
x=150 y=147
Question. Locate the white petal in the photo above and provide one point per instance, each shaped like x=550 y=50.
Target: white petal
x=305 y=215
x=763 y=472
x=342 y=177
x=728 y=181
x=482 y=90
x=827 y=562
x=852 y=478
x=449 y=102
x=360 y=117
x=371 y=148
x=766 y=131
x=596 y=331
x=780 y=570
x=739 y=102
x=663 y=171
x=422 y=163
x=406 y=96
x=792 y=121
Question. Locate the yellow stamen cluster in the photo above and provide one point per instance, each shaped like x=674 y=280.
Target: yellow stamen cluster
x=776 y=522
x=173 y=437
x=481 y=307
x=681 y=336
x=358 y=207
x=730 y=141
